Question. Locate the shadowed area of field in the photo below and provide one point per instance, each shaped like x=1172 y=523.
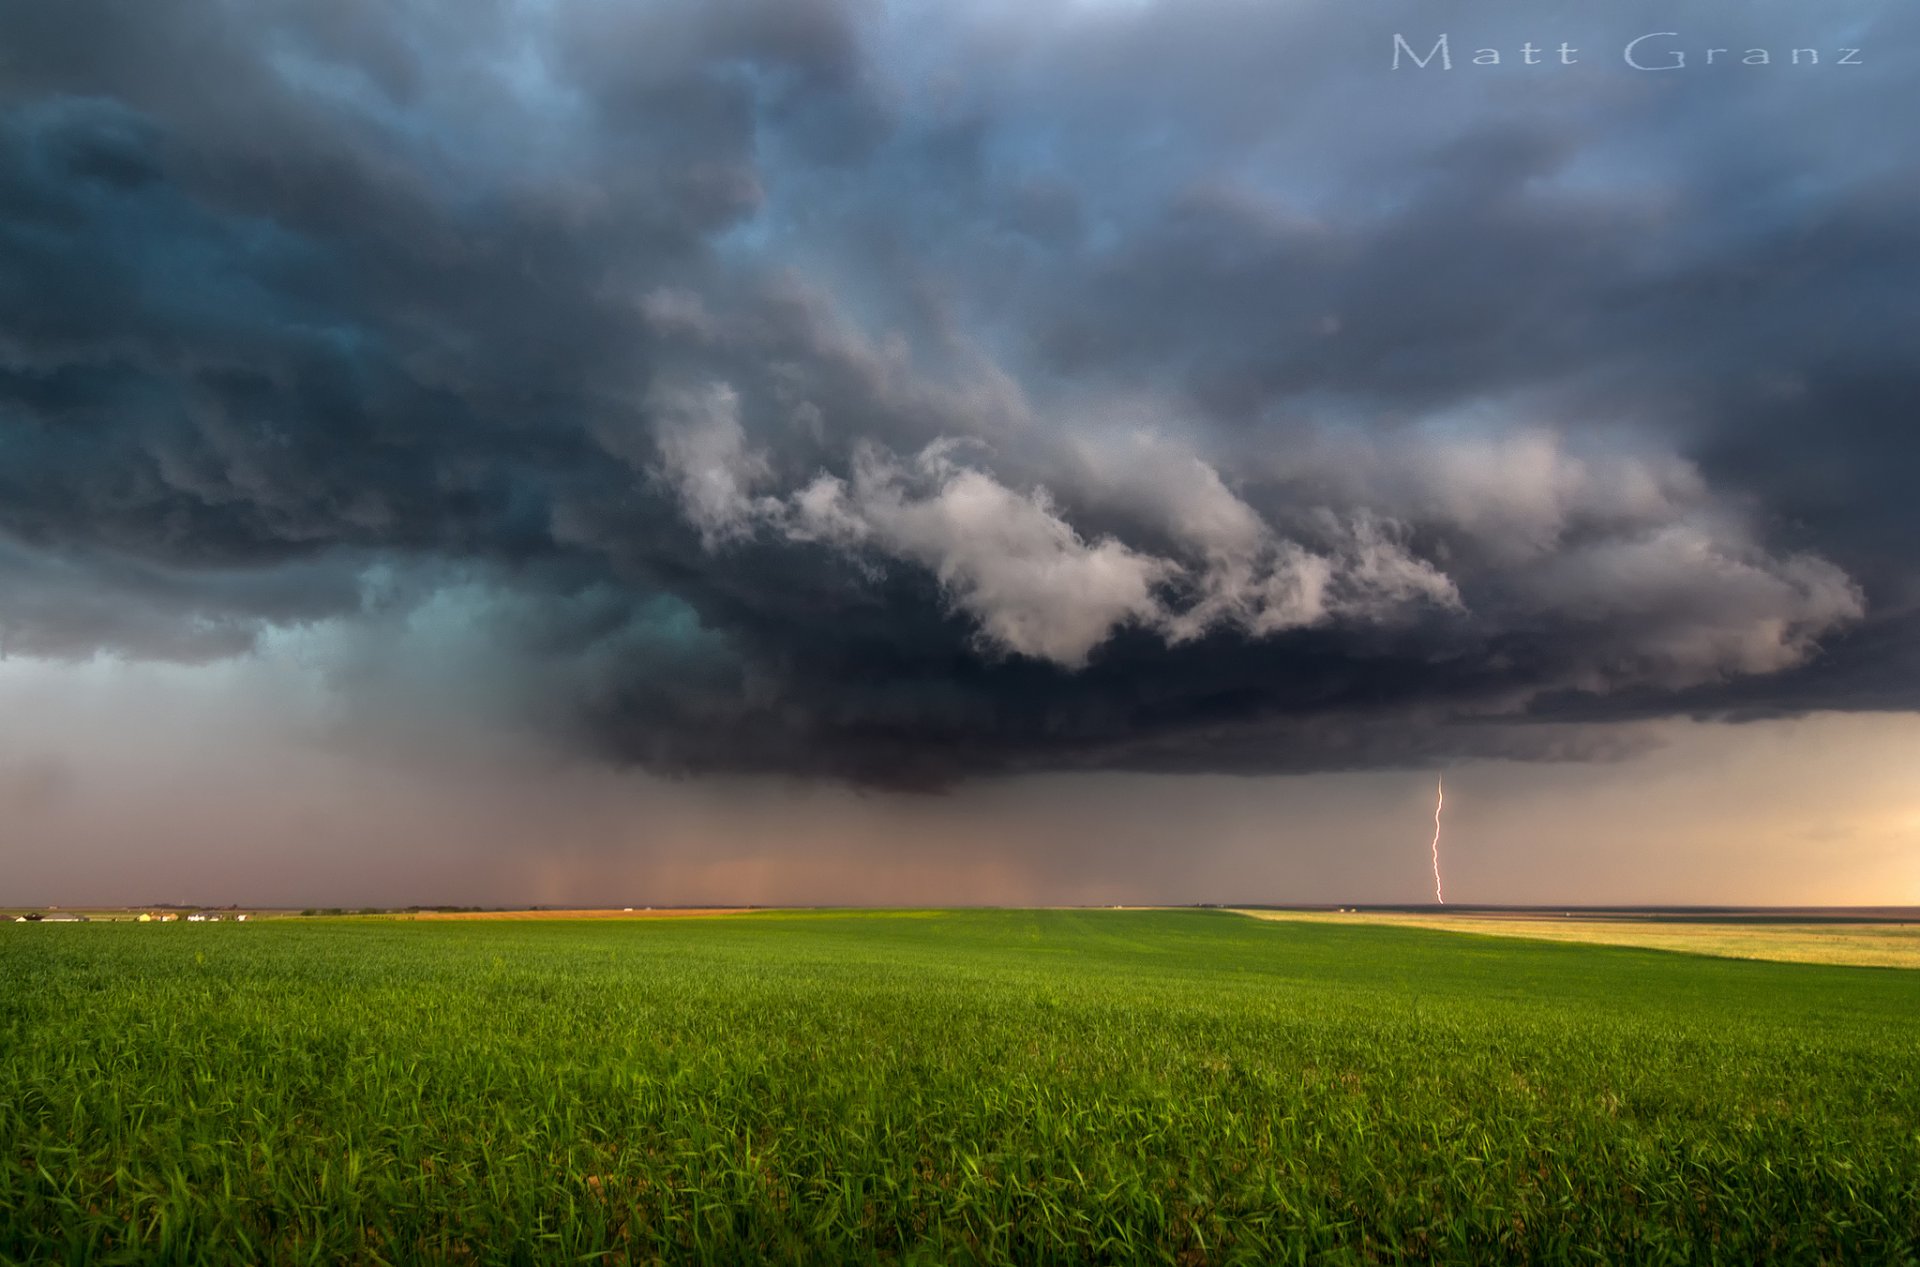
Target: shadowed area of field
x=1746 y=936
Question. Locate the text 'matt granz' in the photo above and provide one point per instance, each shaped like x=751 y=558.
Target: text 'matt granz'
x=1654 y=51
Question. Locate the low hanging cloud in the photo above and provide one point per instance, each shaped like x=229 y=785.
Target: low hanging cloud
x=1008 y=559
x=1672 y=580
x=908 y=395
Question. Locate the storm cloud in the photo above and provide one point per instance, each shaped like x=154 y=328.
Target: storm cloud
x=904 y=394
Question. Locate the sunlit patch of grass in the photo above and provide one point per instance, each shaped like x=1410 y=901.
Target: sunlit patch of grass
x=1860 y=945
x=990 y=1086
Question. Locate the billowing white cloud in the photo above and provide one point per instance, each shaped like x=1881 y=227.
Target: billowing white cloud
x=1513 y=492
x=1008 y=559
x=704 y=456
x=1684 y=604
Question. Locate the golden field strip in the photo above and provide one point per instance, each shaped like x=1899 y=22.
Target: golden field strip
x=1860 y=945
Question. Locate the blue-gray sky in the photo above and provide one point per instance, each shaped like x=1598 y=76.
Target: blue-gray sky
x=803 y=425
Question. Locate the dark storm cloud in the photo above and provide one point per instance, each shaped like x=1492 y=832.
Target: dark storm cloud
x=899 y=397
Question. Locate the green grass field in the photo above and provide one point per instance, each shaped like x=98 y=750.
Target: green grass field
x=1013 y=1086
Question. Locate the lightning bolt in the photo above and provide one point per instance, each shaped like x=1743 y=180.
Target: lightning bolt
x=1439 y=799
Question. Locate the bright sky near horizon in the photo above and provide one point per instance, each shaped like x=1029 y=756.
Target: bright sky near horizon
x=126 y=783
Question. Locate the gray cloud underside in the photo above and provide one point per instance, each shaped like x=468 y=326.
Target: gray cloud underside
x=965 y=391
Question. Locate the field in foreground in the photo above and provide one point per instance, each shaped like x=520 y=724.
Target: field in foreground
x=990 y=1085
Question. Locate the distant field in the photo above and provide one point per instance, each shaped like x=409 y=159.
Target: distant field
x=665 y=912
x=1000 y=1086
x=1861 y=945
x=125 y=914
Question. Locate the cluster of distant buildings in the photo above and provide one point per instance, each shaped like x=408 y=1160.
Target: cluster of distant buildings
x=144 y=917
x=197 y=917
